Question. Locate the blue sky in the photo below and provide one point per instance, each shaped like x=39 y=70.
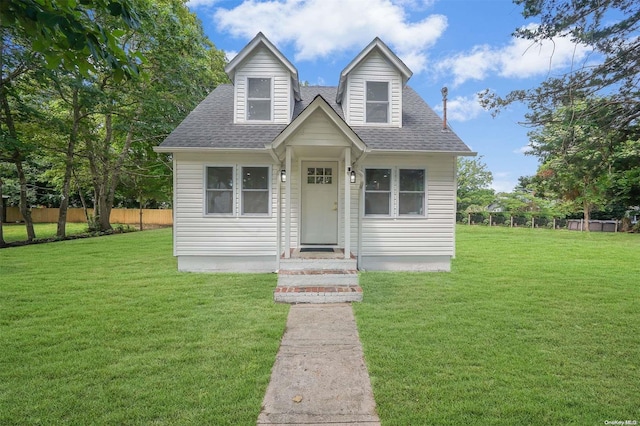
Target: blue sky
x=466 y=45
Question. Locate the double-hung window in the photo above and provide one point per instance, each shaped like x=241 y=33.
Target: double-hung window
x=259 y=99
x=411 y=192
x=377 y=103
x=219 y=190
x=253 y=191
x=395 y=192
x=377 y=195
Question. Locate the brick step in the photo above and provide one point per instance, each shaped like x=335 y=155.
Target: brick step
x=315 y=277
x=317 y=294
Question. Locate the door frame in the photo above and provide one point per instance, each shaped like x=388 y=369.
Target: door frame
x=301 y=176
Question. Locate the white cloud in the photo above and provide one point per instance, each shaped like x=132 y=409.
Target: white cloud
x=198 y=3
x=503 y=182
x=230 y=54
x=462 y=108
x=522 y=150
x=320 y=28
x=518 y=59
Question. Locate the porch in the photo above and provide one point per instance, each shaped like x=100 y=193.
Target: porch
x=318 y=276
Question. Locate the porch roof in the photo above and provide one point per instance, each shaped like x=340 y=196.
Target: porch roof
x=210 y=126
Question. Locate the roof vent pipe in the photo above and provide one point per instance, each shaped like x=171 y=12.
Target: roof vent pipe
x=444 y=91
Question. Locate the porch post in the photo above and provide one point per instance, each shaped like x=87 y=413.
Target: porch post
x=347 y=202
x=287 y=198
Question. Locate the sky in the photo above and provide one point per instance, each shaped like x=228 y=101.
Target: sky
x=465 y=45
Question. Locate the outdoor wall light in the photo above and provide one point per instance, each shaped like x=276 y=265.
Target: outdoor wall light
x=283 y=175
x=352 y=176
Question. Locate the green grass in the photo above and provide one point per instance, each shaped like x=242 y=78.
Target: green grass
x=530 y=327
x=106 y=331
x=18 y=232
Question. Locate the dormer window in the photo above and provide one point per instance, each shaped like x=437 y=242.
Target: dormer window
x=377 y=102
x=259 y=99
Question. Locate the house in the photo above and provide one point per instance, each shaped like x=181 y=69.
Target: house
x=265 y=168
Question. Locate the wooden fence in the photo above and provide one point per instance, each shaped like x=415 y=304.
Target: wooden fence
x=75 y=215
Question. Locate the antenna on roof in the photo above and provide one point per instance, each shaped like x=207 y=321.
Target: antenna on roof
x=444 y=92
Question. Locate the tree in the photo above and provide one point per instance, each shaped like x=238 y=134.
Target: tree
x=610 y=28
x=474 y=180
x=70 y=35
x=577 y=153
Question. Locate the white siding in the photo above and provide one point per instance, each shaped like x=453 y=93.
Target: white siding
x=264 y=65
x=429 y=236
x=373 y=68
x=199 y=235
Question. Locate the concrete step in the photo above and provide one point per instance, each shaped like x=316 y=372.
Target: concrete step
x=317 y=277
x=318 y=294
x=297 y=264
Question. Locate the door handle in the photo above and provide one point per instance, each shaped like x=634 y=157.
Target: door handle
x=335 y=206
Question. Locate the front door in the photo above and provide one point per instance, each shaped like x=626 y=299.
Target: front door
x=319 y=224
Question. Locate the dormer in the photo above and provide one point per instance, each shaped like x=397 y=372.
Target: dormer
x=265 y=84
x=370 y=88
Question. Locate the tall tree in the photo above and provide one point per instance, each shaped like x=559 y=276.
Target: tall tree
x=474 y=183
x=577 y=151
x=610 y=28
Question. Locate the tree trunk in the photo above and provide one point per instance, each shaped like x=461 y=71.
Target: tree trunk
x=587 y=214
x=25 y=210
x=16 y=158
x=66 y=184
x=2 y=218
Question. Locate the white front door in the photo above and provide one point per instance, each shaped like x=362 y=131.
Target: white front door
x=319 y=221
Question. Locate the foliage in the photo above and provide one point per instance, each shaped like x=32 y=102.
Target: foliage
x=520 y=332
x=610 y=29
x=89 y=133
x=474 y=180
x=71 y=35
x=578 y=155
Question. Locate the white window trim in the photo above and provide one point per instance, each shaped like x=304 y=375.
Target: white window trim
x=391 y=191
x=236 y=209
x=205 y=197
x=394 y=208
x=424 y=200
x=269 y=188
x=366 y=101
x=246 y=100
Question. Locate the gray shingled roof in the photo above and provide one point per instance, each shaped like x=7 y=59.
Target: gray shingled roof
x=210 y=125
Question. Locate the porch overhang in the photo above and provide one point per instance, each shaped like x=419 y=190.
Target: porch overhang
x=279 y=144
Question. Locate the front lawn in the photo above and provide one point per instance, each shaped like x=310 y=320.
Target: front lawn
x=530 y=327
x=106 y=331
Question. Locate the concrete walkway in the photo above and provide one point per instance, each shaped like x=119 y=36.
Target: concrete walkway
x=319 y=376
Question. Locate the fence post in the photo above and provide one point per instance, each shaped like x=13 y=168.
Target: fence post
x=533 y=222
x=554 y=223
x=469 y=219
x=490 y=219
x=511 y=221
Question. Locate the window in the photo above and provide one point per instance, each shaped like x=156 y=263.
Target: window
x=395 y=192
x=319 y=175
x=411 y=198
x=219 y=190
x=377 y=196
x=377 y=102
x=259 y=99
x=255 y=190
